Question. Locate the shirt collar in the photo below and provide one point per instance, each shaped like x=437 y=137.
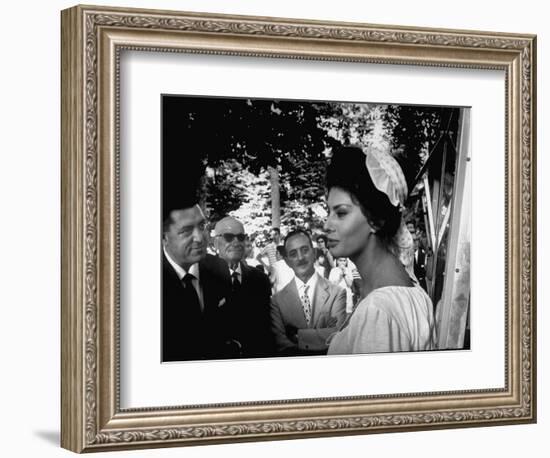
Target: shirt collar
x=180 y=271
x=312 y=282
x=238 y=270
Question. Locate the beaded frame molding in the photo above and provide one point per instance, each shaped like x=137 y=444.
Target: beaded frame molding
x=92 y=40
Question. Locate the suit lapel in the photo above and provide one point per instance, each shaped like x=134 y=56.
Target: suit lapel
x=245 y=273
x=293 y=305
x=320 y=298
x=176 y=296
x=169 y=274
x=214 y=285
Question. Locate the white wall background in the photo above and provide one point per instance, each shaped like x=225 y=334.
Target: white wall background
x=30 y=211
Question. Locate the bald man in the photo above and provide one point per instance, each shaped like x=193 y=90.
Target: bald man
x=246 y=291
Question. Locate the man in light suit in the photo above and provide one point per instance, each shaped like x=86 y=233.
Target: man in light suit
x=309 y=309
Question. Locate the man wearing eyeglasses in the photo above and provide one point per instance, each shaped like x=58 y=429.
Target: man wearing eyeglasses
x=194 y=324
x=193 y=321
x=246 y=291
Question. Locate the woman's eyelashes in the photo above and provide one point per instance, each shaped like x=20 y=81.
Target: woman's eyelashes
x=339 y=212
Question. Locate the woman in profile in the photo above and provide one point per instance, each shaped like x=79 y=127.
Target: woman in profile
x=366 y=191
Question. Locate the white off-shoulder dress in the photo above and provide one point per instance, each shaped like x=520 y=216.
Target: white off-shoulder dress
x=389 y=319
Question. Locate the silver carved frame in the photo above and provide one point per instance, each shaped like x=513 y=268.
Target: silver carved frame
x=92 y=38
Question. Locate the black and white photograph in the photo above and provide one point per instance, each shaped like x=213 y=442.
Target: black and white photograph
x=283 y=223
x=310 y=227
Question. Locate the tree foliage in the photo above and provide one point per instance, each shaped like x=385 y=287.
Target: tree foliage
x=237 y=137
x=254 y=210
x=239 y=140
x=415 y=131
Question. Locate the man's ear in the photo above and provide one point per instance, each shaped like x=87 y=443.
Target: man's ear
x=215 y=243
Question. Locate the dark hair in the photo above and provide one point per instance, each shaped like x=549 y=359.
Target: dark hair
x=296 y=232
x=281 y=250
x=166 y=223
x=348 y=171
x=322 y=237
x=276 y=229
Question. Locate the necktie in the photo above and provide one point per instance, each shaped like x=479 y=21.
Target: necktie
x=235 y=283
x=306 y=304
x=192 y=295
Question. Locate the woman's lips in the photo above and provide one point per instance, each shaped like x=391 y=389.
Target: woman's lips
x=332 y=243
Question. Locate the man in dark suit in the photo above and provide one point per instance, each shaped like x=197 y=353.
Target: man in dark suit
x=309 y=309
x=245 y=291
x=193 y=324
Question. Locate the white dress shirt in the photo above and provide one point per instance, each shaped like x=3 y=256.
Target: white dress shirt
x=181 y=272
x=312 y=282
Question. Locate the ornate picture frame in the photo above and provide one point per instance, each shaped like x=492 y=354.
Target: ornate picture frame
x=93 y=39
